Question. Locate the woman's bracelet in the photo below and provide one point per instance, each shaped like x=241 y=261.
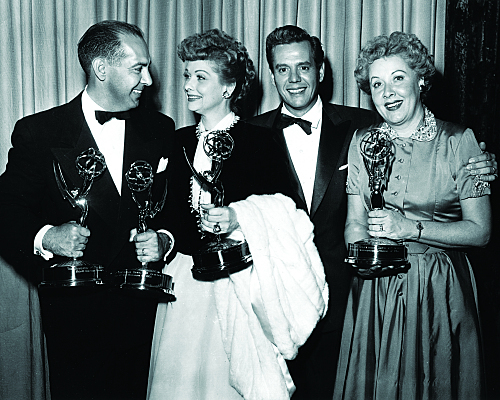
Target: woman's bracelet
x=420 y=228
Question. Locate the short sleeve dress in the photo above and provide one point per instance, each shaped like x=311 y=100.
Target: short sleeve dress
x=416 y=335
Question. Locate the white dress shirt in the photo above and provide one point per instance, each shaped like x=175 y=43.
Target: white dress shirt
x=110 y=138
x=303 y=148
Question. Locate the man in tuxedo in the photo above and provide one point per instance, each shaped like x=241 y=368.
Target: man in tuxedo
x=314 y=137
x=98 y=341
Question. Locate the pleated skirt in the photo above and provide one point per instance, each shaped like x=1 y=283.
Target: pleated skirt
x=415 y=335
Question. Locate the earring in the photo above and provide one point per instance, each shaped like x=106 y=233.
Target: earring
x=422 y=86
x=226 y=95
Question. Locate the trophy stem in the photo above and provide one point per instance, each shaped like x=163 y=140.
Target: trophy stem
x=376 y=200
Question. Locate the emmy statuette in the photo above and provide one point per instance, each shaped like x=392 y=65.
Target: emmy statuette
x=141 y=280
x=90 y=164
x=375 y=257
x=221 y=256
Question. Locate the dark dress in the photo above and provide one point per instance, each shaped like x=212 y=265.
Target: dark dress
x=416 y=335
x=254 y=167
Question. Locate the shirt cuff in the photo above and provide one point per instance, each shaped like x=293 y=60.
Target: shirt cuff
x=172 y=242
x=38 y=247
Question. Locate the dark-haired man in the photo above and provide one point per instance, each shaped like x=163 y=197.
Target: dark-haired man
x=315 y=148
x=98 y=343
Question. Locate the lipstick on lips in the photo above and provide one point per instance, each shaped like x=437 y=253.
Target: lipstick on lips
x=392 y=106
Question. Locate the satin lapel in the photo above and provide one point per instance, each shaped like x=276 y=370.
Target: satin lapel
x=279 y=137
x=189 y=142
x=103 y=196
x=138 y=146
x=330 y=146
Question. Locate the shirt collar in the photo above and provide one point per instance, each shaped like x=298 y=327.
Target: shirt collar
x=88 y=104
x=223 y=124
x=314 y=115
x=89 y=108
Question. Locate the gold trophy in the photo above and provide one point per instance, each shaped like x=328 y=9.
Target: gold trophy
x=142 y=280
x=376 y=257
x=90 y=164
x=220 y=256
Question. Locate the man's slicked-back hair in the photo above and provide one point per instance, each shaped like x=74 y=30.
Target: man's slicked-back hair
x=293 y=34
x=103 y=39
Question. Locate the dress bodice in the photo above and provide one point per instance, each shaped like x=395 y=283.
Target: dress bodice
x=427 y=179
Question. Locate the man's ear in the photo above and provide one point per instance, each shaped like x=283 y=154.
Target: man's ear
x=99 y=68
x=322 y=72
x=272 y=77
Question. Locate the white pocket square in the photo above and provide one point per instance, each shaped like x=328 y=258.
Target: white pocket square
x=162 y=165
x=343 y=167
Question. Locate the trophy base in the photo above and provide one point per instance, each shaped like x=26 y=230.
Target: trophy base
x=145 y=283
x=218 y=259
x=378 y=257
x=72 y=273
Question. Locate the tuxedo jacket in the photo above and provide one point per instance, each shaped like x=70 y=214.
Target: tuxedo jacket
x=329 y=203
x=30 y=197
x=252 y=168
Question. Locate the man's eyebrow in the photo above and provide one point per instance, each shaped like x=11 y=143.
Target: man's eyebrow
x=141 y=63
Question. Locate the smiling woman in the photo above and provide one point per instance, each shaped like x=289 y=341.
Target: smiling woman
x=206 y=94
x=189 y=360
x=414 y=335
x=395 y=91
x=205 y=347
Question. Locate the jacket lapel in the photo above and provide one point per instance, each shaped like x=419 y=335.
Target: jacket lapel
x=140 y=145
x=330 y=146
x=76 y=138
x=279 y=138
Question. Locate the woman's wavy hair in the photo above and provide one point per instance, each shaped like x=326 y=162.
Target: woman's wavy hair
x=405 y=45
x=233 y=64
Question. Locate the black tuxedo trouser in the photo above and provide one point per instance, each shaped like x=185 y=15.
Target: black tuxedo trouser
x=313 y=370
x=98 y=344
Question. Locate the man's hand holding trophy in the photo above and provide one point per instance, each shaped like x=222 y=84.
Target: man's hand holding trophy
x=90 y=164
x=71 y=237
x=142 y=280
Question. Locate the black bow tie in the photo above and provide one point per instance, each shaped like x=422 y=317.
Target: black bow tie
x=105 y=116
x=285 y=121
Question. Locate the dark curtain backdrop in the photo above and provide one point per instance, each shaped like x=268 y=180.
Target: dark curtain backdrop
x=470 y=94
